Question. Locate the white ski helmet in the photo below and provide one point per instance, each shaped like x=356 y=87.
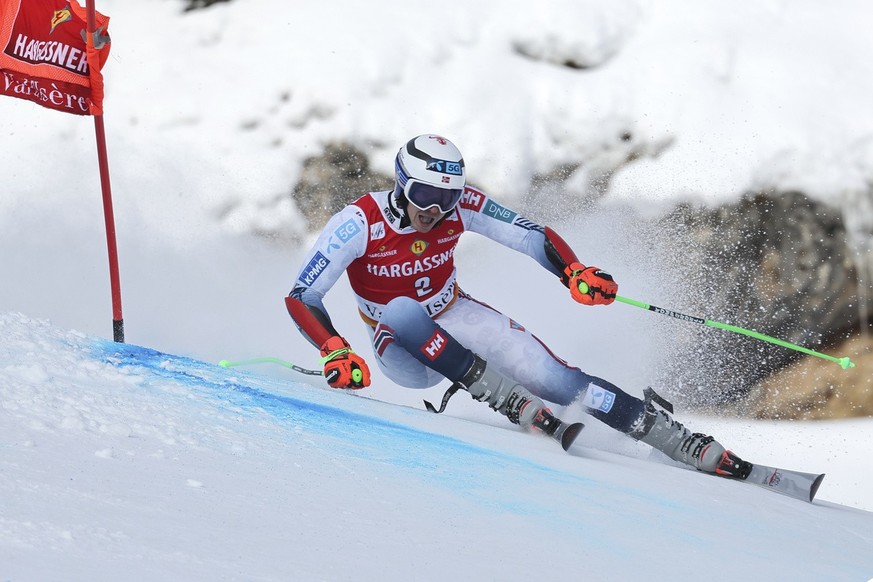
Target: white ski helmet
x=429 y=171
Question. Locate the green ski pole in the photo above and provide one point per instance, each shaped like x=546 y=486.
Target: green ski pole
x=269 y=360
x=844 y=363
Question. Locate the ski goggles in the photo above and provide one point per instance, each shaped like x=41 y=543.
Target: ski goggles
x=423 y=196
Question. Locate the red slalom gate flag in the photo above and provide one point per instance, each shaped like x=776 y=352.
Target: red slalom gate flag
x=45 y=56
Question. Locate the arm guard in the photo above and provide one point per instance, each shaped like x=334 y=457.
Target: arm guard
x=313 y=323
x=559 y=253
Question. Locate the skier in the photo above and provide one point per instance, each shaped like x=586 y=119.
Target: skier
x=398 y=246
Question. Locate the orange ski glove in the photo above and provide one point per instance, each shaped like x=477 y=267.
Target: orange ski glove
x=590 y=285
x=343 y=368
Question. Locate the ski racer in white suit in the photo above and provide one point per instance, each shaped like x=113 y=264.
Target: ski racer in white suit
x=397 y=248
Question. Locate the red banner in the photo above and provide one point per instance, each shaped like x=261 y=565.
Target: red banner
x=49 y=58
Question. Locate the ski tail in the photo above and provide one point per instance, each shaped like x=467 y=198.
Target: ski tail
x=795 y=484
x=569 y=433
x=815 y=485
x=559 y=430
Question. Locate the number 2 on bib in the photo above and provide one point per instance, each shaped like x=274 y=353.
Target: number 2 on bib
x=422 y=286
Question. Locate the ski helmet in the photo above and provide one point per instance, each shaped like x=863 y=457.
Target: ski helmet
x=429 y=171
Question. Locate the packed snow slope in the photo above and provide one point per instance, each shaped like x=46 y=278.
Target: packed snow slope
x=124 y=463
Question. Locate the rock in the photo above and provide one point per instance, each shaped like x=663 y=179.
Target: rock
x=332 y=180
x=777 y=263
x=817 y=389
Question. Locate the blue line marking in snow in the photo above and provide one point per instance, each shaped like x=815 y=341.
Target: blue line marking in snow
x=322 y=418
x=359 y=435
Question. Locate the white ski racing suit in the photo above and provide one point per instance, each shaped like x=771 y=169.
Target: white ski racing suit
x=431 y=334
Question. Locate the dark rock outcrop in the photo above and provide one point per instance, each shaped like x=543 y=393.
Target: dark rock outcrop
x=333 y=179
x=777 y=263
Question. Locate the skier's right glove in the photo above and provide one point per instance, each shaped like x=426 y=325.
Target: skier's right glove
x=590 y=285
x=343 y=368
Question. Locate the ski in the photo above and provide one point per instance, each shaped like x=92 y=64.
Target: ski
x=545 y=421
x=794 y=484
x=566 y=434
x=559 y=430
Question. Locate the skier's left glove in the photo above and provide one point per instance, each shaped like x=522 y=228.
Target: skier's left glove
x=590 y=285
x=343 y=368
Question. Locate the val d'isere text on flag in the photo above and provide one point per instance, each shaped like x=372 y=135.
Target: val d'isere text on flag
x=45 y=56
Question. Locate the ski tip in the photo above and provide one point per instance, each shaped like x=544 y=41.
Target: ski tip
x=570 y=434
x=815 y=485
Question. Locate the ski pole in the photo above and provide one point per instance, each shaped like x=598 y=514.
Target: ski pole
x=844 y=363
x=269 y=360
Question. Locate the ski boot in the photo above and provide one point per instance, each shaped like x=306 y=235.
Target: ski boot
x=702 y=452
x=516 y=403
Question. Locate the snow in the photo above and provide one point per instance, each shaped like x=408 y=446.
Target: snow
x=122 y=462
x=156 y=465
